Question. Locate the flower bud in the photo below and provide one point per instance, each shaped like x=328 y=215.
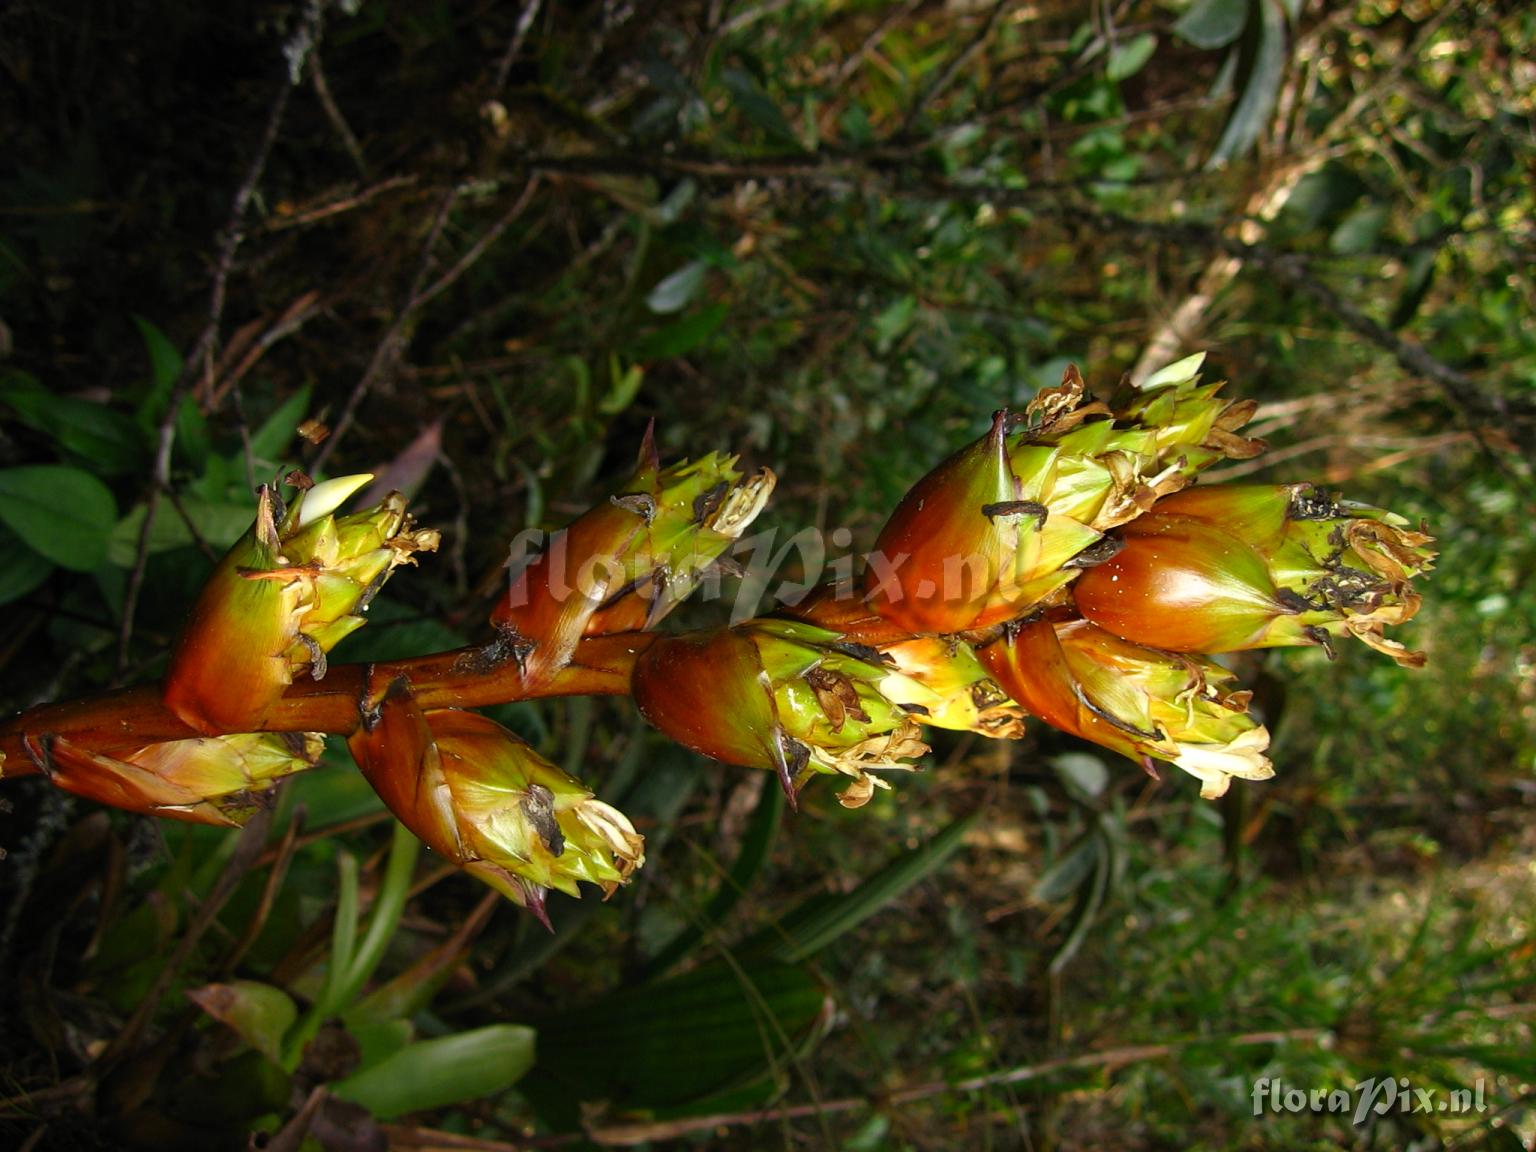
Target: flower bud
x=1003 y=525
x=1230 y=567
x=954 y=690
x=976 y=542
x=781 y=695
x=625 y=564
x=944 y=685
x=483 y=798
x=218 y=780
x=1145 y=704
x=1190 y=426
x=287 y=592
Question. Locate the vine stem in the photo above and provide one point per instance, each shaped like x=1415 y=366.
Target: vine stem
x=132 y=718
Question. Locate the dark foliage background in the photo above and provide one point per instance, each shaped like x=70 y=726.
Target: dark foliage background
x=485 y=243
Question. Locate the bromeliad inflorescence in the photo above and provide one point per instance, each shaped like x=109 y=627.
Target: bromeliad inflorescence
x=1065 y=566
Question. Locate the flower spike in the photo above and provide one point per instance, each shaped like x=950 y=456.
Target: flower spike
x=1231 y=567
x=625 y=564
x=287 y=592
x=483 y=798
x=785 y=696
x=1144 y=704
x=219 y=780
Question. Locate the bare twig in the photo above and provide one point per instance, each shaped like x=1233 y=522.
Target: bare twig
x=1266 y=204
x=199 y=361
x=478 y=249
x=751 y=16
x=294 y=317
x=387 y=355
x=338 y=205
x=248 y=847
x=333 y=113
x=855 y=59
x=392 y=345
x=935 y=87
x=525 y=20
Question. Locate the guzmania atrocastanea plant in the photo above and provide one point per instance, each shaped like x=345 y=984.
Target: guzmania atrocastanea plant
x=1065 y=566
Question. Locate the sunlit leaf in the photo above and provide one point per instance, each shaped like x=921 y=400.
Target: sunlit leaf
x=1262 y=56
x=258 y=1012
x=673 y=292
x=442 y=1071
x=1212 y=23
x=1127 y=59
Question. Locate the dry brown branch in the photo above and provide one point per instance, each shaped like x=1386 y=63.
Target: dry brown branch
x=644 y=1132
x=199 y=361
x=391 y=348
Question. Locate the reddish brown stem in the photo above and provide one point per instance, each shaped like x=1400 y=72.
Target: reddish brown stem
x=130 y=718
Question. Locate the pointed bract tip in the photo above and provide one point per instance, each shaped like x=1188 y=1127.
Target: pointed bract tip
x=1175 y=373
x=329 y=495
x=648 y=458
x=536 y=901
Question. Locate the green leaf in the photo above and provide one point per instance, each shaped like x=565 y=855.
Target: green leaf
x=758 y=108
x=1082 y=774
x=893 y=321
x=1262 y=56
x=1359 y=231
x=1419 y=275
x=1067 y=874
x=165 y=366
x=192 y=441
x=675 y=291
x=442 y=1071
x=271 y=440
x=378 y=1037
x=219 y=525
x=21 y=569
x=664 y=1044
x=63 y=513
x=822 y=919
x=1212 y=23
x=335 y=793
x=1175 y=373
x=681 y=336
x=109 y=440
x=397 y=632
x=624 y=389
x=1090 y=898
x=756 y=846
x=1127 y=59
x=258 y=1013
